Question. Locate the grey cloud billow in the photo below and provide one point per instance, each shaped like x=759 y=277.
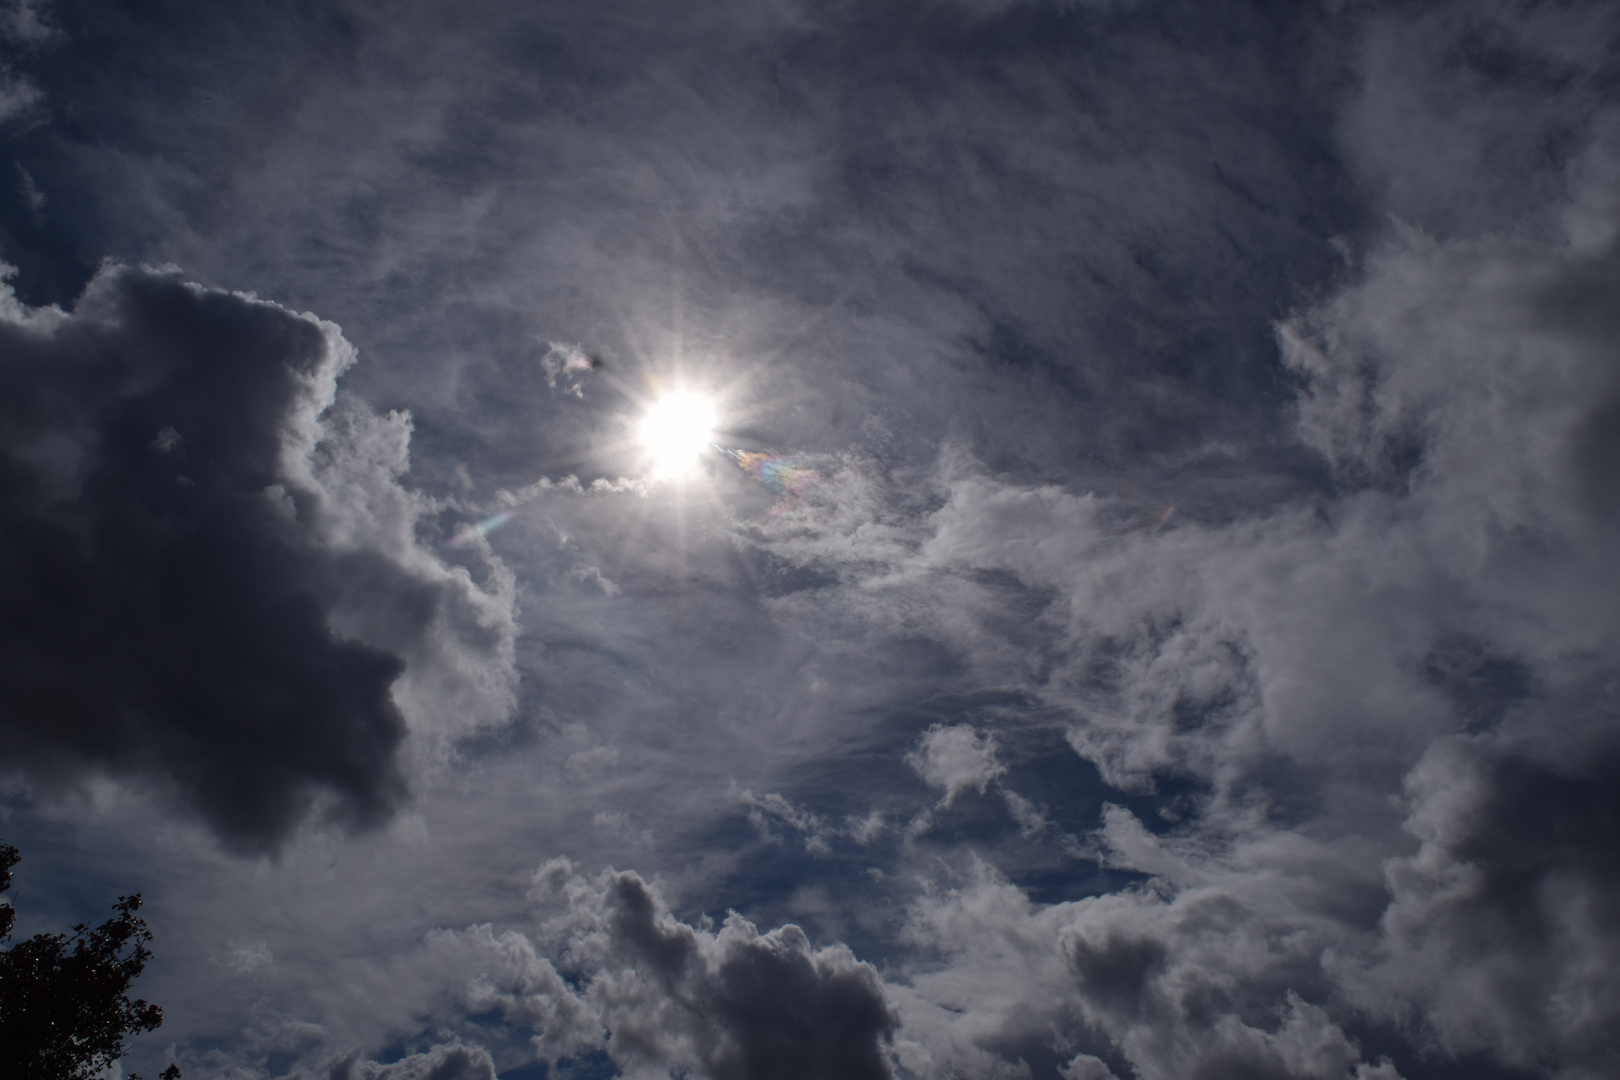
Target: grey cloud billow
x=1400 y=705
x=770 y=1006
x=662 y=997
x=449 y=1061
x=1514 y=895
x=1395 y=697
x=194 y=539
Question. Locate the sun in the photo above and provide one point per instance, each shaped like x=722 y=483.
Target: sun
x=676 y=430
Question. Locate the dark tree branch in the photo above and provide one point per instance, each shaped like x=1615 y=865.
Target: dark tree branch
x=64 y=998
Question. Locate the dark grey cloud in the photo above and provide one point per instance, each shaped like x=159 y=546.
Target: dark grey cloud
x=661 y=996
x=448 y=1061
x=186 y=518
x=1514 y=892
x=1471 y=117
x=772 y=1006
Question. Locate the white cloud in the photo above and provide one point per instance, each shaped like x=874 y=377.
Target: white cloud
x=770 y=809
x=248 y=957
x=18 y=96
x=663 y=997
x=1315 y=666
x=1385 y=687
x=956 y=758
x=449 y=1061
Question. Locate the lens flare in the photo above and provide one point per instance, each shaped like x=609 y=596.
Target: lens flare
x=483 y=528
x=676 y=430
x=785 y=475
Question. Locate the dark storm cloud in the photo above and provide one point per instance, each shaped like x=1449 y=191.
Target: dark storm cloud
x=174 y=561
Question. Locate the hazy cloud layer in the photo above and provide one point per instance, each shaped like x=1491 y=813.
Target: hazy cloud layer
x=1148 y=611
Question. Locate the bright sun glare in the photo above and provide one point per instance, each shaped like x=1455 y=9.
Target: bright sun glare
x=676 y=430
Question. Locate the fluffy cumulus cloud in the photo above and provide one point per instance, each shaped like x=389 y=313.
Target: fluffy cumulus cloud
x=1393 y=705
x=1399 y=706
x=956 y=759
x=612 y=971
x=1499 y=922
x=211 y=576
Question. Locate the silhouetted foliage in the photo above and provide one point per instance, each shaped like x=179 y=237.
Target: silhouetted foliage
x=64 y=998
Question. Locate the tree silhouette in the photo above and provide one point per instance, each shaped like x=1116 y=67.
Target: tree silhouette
x=64 y=998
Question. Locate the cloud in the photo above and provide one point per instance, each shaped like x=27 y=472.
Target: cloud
x=569 y=363
x=661 y=996
x=1503 y=929
x=1024 y=278
x=1085 y=1067
x=736 y=1003
x=506 y=973
x=1437 y=638
x=1457 y=585
x=211 y=581
x=1423 y=652
x=22 y=27
x=21 y=21
x=449 y=1061
x=1468 y=116
x=956 y=758
x=18 y=96
x=773 y=808
x=1163 y=981
x=248 y=957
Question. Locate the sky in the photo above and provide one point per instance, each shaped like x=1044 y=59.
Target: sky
x=790 y=539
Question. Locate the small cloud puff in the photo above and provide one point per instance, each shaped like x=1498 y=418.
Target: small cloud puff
x=247 y=957
x=956 y=758
x=567 y=364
